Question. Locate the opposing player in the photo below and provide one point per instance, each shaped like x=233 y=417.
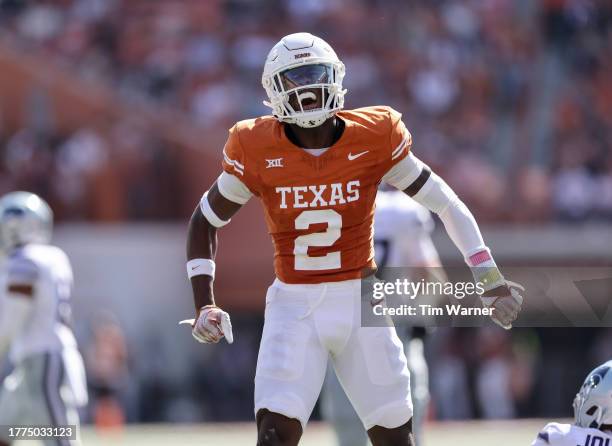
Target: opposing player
x=316 y=169
x=592 y=414
x=47 y=384
x=402 y=240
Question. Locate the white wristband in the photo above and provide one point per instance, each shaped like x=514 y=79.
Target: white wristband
x=199 y=267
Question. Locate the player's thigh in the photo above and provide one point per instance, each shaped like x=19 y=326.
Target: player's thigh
x=292 y=361
x=373 y=371
x=46 y=392
x=32 y=395
x=48 y=406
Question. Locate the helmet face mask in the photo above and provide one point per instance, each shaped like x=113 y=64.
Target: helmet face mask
x=303 y=80
x=24 y=218
x=593 y=403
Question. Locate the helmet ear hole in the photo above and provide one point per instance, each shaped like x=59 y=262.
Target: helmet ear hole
x=591 y=410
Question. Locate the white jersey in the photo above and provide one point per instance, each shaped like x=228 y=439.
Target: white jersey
x=556 y=434
x=47 y=269
x=402 y=231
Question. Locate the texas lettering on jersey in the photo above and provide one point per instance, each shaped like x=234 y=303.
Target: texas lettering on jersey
x=320 y=195
x=319 y=209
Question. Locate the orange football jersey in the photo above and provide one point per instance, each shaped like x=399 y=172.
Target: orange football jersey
x=319 y=209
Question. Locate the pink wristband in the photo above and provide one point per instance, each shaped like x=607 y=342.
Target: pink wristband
x=479 y=257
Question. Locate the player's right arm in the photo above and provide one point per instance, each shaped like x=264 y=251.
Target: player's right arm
x=213 y=212
x=215 y=209
x=202 y=239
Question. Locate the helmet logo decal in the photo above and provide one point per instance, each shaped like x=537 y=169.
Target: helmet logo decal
x=596 y=377
x=301 y=55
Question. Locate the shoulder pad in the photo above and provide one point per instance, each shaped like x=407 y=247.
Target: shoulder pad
x=258 y=133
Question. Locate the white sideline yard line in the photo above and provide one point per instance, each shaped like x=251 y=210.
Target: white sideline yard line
x=456 y=433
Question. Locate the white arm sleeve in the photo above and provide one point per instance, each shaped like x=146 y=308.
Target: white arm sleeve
x=233 y=189
x=459 y=222
x=438 y=197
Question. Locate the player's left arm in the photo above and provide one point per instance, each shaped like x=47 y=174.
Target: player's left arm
x=416 y=179
x=17 y=301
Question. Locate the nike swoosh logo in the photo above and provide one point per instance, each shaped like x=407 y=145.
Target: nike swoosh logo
x=195 y=267
x=351 y=157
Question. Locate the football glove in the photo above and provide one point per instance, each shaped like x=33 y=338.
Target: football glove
x=211 y=325
x=506 y=300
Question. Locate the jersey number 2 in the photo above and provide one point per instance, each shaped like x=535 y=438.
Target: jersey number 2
x=303 y=261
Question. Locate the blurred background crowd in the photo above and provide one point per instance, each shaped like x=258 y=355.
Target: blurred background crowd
x=512 y=94
x=509 y=100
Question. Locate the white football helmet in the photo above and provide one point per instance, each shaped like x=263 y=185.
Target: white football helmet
x=593 y=403
x=297 y=65
x=24 y=218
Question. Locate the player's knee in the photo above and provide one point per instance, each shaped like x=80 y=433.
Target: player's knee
x=397 y=436
x=277 y=430
x=268 y=437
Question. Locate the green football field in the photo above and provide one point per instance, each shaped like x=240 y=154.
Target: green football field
x=476 y=433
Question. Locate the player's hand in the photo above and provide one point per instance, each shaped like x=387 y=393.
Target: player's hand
x=506 y=301
x=211 y=325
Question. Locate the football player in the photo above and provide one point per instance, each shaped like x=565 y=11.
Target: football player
x=402 y=238
x=592 y=414
x=316 y=168
x=47 y=384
